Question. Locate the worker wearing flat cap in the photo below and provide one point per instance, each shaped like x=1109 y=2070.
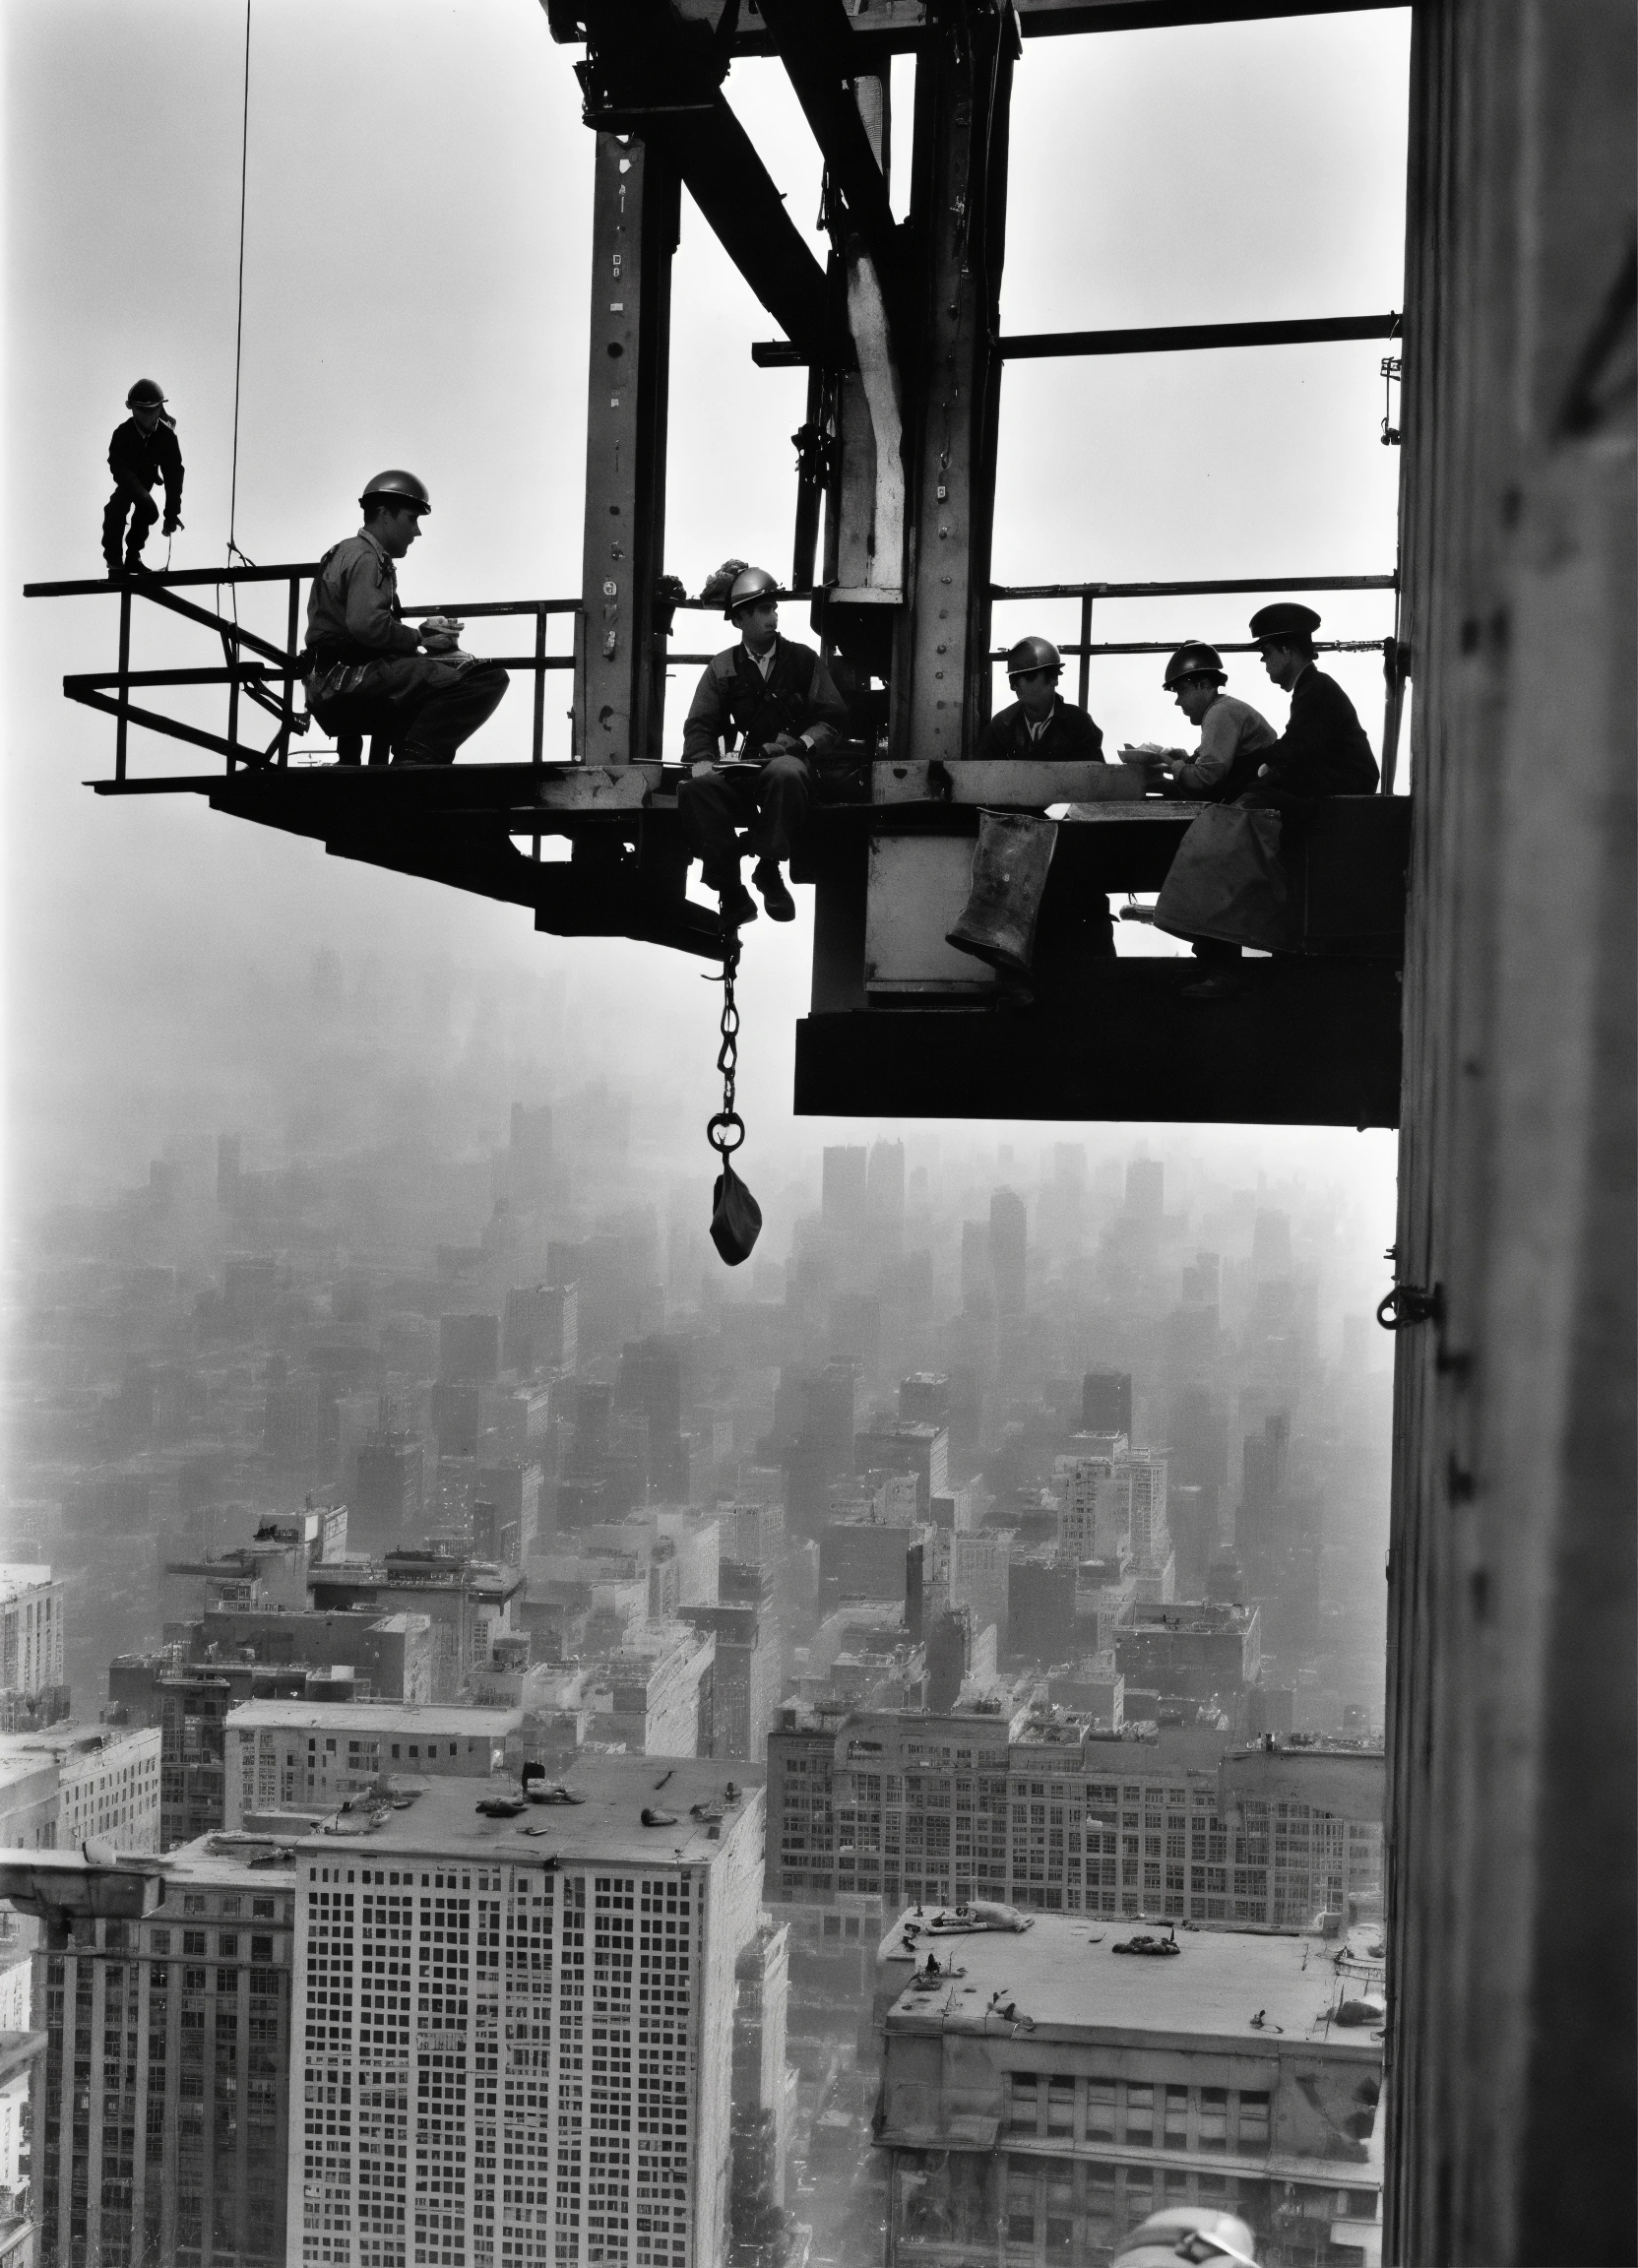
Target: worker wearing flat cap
x=1038 y=722
x=776 y=700
x=1323 y=750
x=368 y=670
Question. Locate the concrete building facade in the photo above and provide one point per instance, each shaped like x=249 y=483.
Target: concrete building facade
x=517 y=2053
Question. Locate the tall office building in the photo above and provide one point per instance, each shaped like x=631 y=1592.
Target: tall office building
x=33 y=1681
x=885 y=1184
x=161 y=2106
x=314 y=1756
x=516 y=2033
x=1106 y=1402
x=468 y=1349
x=843 y=1201
x=1009 y=1228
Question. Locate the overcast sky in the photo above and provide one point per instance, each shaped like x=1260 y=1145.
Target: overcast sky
x=416 y=293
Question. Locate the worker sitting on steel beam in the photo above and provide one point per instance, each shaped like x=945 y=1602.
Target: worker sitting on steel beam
x=368 y=670
x=1038 y=722
x=143 y=451
x=1232 y=890
x=1009 y=918
x=1323 y=750
x=1234 y=741
x=1234 y=738
x=779 y=700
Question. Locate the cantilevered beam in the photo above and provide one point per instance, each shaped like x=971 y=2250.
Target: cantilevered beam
x=649 y=72
x=816 y=45
x=898 y=25
x=1152 y=338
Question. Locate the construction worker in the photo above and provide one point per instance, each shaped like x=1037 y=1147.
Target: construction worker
x=1323 y=750
x=1233 y=740
x=1038 y=722
x=143 y=452
x=779 y=701
x=1233 y=736
x=368 y=670
x=1013 y=920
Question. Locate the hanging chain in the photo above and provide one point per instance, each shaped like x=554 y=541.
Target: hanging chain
x=726 y=1131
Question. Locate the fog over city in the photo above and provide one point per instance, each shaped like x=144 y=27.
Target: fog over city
x=372 y=1377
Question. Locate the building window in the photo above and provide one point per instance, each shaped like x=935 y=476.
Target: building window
x=1140 y=2117
x=1023 y=2118
x=1177 y=2117
x=1060 y=2106
x=1253 y=2125
x=1099 y=2110
x=1214 y=2118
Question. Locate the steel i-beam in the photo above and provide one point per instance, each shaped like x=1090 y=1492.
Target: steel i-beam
x=963 y=89
x=620 y=677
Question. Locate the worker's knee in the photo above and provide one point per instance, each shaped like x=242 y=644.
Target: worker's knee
x=785 y=772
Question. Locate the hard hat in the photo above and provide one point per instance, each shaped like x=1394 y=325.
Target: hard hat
x=1033 y=654
x=1195 y=2233
x=749 y=586
x=1194 y=660
x=146 y=394
x=1283 y=622
x=394 y=481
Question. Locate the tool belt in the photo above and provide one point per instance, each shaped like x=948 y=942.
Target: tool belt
x=335 y=673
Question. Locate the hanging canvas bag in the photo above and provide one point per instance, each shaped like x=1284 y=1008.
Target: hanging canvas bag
x=735 y=1216
x=1226 y=881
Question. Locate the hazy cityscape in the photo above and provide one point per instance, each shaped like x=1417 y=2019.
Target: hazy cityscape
x=1007 y=1537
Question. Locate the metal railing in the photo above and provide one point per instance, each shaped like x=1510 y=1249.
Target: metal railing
x=252 y=664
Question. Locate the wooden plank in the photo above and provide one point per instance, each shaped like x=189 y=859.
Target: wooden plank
x=1008 y=785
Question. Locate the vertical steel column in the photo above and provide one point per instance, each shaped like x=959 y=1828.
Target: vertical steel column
x=293 y=633
x=1085 y=695
x=124 y=687
x=963 y=89
x=619 y=679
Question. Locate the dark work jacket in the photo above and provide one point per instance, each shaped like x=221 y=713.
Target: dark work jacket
x=139 y=459
x=1070 y=734
x=797 y=697
x=1323 y=750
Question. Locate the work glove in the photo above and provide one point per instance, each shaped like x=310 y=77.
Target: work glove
x=784 y=745
x=169 y=525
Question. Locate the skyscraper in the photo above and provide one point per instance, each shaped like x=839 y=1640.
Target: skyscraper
x=1008 y=1246
x=1106 y=1402
x=516 y=2031
x=165 y=2143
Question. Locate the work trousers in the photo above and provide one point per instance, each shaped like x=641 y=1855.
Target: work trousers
x=770 y=801
x=430 y=729
x=144 y=512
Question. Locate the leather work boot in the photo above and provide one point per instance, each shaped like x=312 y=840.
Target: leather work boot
x=738 y=906
x=1222 y=986
x=782 y=907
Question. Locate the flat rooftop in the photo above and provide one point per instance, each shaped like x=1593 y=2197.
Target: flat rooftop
x=443 y=1720
x=607 y=1827
x=1064 y=1972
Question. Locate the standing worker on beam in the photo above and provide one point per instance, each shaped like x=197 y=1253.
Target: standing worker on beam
x=779 y=700
x=369 y=670
x=143 y=452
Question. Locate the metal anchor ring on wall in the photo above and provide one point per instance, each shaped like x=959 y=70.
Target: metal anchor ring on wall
x=1408 y=1303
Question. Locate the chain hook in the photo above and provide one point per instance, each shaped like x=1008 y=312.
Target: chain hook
x=725 y=1129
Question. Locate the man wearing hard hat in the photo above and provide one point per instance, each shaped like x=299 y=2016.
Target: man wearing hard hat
x=778 y=700
x=1234 y=738
x=368 y=670
x=1038 y=721
x=143 y=452
x=1009 y=914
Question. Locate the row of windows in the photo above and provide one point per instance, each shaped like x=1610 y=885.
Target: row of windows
x=1140 y=2115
